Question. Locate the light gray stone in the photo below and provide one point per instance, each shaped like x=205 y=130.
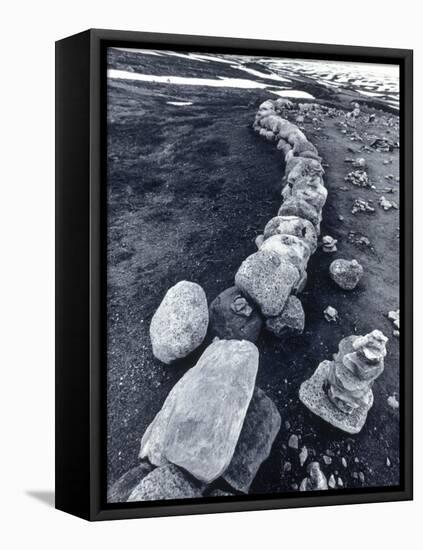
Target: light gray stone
x=200 y=422
x=290 y=248
x=165 y=483
x=292 y=225
x=267 y=280
x=316 y=481
x=180 y=323
x=346 y=274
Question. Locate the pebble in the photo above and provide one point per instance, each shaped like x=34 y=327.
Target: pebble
x=344 y=462
x=303 y=455
x=393 y=402
x=340 y=482
x=287 y=466
x=332 y=482
x=361 y=476
x=331 y=314
x=327 y=460
x=388 y=462
x=293 y=442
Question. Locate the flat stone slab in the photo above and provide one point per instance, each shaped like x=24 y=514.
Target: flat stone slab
x=261 y=426
x=200 y=422
x=313 y=396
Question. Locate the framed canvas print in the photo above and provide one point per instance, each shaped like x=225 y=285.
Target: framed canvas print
x=234 y=274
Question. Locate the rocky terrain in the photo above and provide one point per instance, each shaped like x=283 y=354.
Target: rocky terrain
x=192 y=191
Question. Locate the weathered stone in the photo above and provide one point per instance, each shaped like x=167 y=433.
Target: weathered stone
x=340 y=390
x=329 y=244
x=302 y=209
x=180 y=323
x=331 y=314
x=292 y=225
x=123 y=487
x=267 y=280
x=293 y=441
x=303 y=456
x=346 y=274
x=315 y=196
x=259 y=240
x=232 y=317
x=261 y=426
x=200 y=422
x=290 y=321
x=316 y=480
x=165 y=483
x=290 y=248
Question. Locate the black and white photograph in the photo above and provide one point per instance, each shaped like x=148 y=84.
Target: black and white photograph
x=253 y=314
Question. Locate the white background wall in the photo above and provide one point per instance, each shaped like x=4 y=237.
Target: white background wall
x=28 y=32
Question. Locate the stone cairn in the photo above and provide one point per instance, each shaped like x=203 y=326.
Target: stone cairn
x=340 y=391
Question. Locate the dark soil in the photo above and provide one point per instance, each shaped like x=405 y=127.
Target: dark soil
x=189 y=189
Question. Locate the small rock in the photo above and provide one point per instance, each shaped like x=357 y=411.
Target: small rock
x=331 y=314
x=327 y=460
x=388 y=462
x=316 y=480
x=359 y=178
x=303 y=455
x=393 y=402
x=293 y=442
x=287 y=467
x=332 y=482
x=396 y=333
x=361 y=205
x=329 y=244
x=344 y=462
x=340 y=482
x=387 y=205
x=346 y=274
x=361 y=477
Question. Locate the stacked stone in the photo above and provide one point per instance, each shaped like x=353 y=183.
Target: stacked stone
x=340 y=391
x=278 y=270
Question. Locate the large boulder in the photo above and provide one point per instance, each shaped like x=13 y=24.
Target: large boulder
x=123 y=487
x=294 y=206
x=290 y=248
x=292 y=225
x=346 y=274
x=180 y=323
x=261 y=426
x=267 y=280
x=290 y=321
x=233 y=317
x=166 y=483
x=199 y=424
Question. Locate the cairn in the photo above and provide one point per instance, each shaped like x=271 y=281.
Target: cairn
x=270 y=276
x=340 y=391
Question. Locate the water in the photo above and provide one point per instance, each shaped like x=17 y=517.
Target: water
x=280 y=76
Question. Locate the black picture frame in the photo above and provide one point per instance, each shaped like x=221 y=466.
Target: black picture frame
x=80 y=269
